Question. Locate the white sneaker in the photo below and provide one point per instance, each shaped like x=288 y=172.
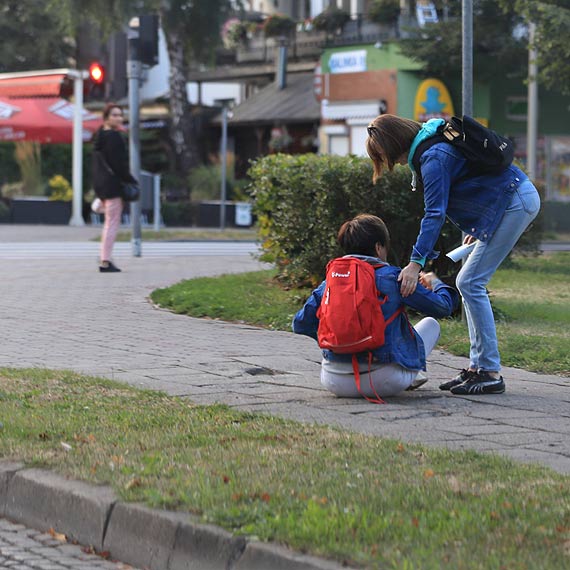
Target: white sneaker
x=418 y=381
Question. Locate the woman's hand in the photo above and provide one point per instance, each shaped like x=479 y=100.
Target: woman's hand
x=426 y=279
x=408 y=278
x=469 y=239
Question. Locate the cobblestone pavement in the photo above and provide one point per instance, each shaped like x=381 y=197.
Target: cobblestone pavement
x=64 y=314
x=22 y=548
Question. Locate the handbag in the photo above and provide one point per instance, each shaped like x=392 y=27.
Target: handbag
x=130 y=192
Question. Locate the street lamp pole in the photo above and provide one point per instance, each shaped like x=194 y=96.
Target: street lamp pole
x=466 y=78
x=77 y=150
x=223 y=157
x=467 y=58
x=532 y=111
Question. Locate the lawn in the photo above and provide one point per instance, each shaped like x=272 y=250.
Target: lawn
x=531 y=297
x=190 y=234
x=373 y=502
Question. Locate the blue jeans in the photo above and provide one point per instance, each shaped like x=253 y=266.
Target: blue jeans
x=478 y=270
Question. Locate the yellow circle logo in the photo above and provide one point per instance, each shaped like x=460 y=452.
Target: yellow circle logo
x=432 y=101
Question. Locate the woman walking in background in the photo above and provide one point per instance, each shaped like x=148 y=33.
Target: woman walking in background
x=110 y=172
x=493 y=209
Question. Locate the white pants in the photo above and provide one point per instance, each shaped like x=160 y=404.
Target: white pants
x=387 y=379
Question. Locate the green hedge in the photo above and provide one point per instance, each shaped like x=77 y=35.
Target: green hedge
x=301 y=201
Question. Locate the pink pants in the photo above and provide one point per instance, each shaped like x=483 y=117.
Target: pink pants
x=113 y=212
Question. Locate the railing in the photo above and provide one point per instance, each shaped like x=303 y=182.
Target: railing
x=309 y=44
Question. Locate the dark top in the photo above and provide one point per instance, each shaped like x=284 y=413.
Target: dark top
x=110 y=164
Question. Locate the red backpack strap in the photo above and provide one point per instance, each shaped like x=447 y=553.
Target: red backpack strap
x=355 y=369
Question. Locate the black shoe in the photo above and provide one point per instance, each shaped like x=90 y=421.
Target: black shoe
x=481 y=383
x=109 y=268
x=463 y=376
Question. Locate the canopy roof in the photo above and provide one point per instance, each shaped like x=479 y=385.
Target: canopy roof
x=48 y=83
x=45 y=120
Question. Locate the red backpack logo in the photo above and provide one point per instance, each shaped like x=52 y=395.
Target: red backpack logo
x=350 y=315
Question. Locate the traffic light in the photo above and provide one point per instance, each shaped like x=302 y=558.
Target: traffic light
x=96 y=90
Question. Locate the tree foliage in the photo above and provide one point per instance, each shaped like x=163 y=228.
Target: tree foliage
x=552 y=19
x=439 y=46
x=33 y=37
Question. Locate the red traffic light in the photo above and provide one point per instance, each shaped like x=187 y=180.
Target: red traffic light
x=96 y=73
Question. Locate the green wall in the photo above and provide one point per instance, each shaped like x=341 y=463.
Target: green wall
x=386 y=57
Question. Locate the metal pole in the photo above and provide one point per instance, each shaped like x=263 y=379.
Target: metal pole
x=466 y=79
x=156 y=189
x=532 y=111
x=223 y=158
x=467 y=58
x=77 y=175
x=134 y=74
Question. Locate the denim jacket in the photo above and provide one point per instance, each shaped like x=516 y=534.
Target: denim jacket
x=402 y=344
x=475 y=204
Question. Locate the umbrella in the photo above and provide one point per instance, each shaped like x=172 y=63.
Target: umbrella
x=45 y=120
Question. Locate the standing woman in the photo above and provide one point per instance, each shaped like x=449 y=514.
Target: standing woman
x=493 y=209
x=110 y=172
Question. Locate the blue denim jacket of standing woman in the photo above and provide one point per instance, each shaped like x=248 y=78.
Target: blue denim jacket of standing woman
x=400 y=345
x=475 y=204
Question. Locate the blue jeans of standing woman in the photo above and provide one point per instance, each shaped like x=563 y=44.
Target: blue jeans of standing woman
x=480 y=267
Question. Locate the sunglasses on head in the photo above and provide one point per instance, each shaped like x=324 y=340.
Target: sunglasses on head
x=370 y=130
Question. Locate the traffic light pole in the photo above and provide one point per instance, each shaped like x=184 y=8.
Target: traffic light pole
x=134 y=75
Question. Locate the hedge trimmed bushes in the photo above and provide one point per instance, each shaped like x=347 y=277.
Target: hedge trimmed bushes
x=302 y=200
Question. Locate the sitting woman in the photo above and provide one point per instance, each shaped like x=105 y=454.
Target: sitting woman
x=397 y=364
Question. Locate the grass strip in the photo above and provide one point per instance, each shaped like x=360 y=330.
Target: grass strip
x=370 y=501
x=200 y=234
x=531 y=297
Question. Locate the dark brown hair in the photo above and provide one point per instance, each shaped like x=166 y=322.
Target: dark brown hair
x=361 y=234
x=389 y=137
x=108 y=108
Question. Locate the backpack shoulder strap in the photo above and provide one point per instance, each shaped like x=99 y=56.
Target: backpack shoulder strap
x=422 y=147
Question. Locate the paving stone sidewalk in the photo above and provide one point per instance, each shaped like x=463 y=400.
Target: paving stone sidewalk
x=63 y=314
x=22 y=548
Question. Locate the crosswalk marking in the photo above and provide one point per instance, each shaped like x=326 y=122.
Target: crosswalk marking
x=66 y=250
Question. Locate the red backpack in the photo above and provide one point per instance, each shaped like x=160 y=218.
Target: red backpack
x=350 y=315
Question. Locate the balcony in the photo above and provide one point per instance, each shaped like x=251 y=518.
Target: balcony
x=309 y=44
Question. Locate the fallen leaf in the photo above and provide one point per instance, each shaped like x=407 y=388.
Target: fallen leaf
x=400 y=447
x=429 y=473
x=57 y=535
x=494 y=515
x=134 y=482
x=226 y=479
x=265 y=497
x=415 y=522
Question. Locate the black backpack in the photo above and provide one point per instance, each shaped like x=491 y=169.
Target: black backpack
x=486 y=151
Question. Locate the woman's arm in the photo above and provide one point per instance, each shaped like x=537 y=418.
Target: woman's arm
x=436 y=194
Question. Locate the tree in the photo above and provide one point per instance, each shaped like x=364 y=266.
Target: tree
x=439 y=46
x=192 y=31
x=33 y=37
x=552 y=19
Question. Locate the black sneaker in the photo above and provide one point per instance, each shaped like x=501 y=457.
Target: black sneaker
x=481 y=383
x=463 y=376
x=109 y=268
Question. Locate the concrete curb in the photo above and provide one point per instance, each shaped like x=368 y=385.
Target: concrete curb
x=133 y=533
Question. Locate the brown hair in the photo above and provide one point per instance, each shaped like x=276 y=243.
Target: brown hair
x=361 y=234
x=108 y=108
x=389 y=137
